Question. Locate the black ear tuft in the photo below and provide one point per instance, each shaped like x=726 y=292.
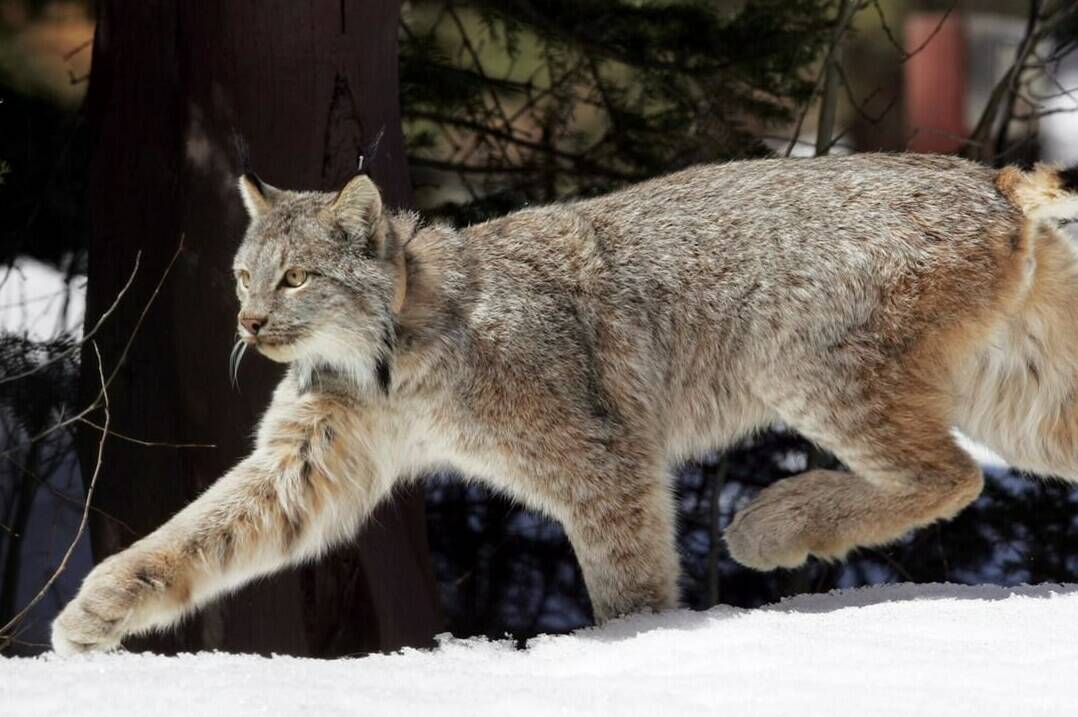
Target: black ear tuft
x=242 y=151
x=254 y=179
x=257 y=195
x=1069 y=179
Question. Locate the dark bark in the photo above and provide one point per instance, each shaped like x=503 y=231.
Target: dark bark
x=305 y=85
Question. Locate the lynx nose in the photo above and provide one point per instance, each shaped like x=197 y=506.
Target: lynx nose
x=252 y=323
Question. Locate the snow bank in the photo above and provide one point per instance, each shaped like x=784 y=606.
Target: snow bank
x=893 y=650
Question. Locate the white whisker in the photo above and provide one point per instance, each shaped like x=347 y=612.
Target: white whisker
x=234 y=362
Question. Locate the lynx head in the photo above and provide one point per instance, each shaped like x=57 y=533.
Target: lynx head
x=320 y=279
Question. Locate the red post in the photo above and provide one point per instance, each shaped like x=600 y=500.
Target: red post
x=935 y=82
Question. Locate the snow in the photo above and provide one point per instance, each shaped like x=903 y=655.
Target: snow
x=889 y=650
x=37 y=300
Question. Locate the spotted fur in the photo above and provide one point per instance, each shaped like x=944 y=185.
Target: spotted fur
x=571 y=355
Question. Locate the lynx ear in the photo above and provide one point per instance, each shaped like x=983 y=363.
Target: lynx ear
x=358 y=206
x=257 y=195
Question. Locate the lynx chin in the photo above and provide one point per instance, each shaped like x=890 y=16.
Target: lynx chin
x=570 y=356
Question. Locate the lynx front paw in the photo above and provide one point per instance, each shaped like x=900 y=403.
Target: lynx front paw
x=769 y=533
x=103 y=612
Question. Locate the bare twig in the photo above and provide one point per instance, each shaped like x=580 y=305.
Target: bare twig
x=581 y=161
x=832 y=75
x=906 y=55
x=151 y=444
x=5 y=631
x=1028 y=44
x=1043 y=20
x=474 y=53
x=1061 y=89
x=825 y=126
x=859 y=106
x=842 y=25
x=119 y=364
x=97 y=326
x=1027 y=116
x=77 y=49
x=60 y=495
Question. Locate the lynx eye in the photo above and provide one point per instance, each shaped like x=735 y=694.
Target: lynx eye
x=244 y=278
x=295 y=277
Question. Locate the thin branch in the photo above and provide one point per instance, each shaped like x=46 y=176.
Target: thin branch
x=859 y=106
x=1063 y=90
x=150 y=444
x=581 y=160
x=842 y=26
x=1068 y=92
x=1026 y=116
x=14 y=621
x=77 y=49
x=1028 y=44
x=97 y=326
x=60 y=495
x=467 y=43
x=822 y=79
x=447 y=166
x=1040 y=24
x=825 y=125
x=123 y=357
x=894 y=41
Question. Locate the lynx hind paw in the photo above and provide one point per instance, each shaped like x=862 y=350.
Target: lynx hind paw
x=767 y=534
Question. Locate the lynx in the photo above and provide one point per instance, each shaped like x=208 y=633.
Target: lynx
x=571 y=355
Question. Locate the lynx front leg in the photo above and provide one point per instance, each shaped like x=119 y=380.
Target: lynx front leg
x=626 y=547
x=299 y=492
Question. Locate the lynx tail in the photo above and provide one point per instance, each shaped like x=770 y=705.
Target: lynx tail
x=1046 y=193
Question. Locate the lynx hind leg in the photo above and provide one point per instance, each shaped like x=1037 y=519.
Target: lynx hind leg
x=907 y=472
x=626 y=546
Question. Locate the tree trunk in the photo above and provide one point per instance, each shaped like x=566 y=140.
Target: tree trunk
x=306 y=85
